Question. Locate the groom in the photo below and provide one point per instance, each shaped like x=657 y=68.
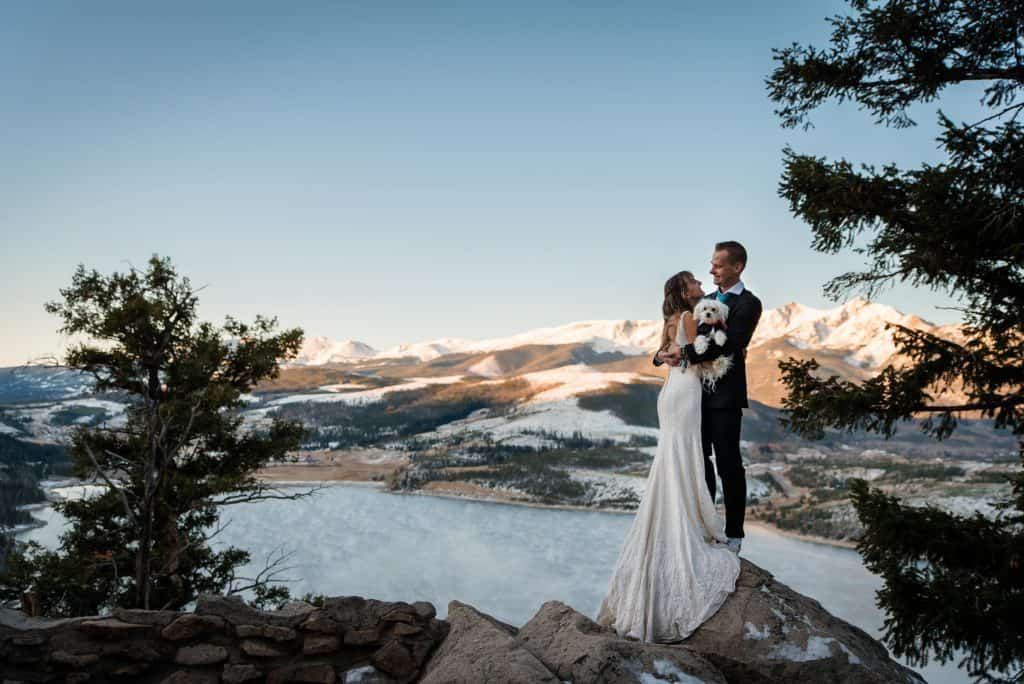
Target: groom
x=722 y=408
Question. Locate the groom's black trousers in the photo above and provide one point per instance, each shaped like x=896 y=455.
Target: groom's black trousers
x=720 y=433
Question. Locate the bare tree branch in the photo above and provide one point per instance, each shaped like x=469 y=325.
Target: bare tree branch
x=268 y=573
x=258 y=495
x=124 y=497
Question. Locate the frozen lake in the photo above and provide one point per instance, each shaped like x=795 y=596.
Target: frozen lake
x=505 y=560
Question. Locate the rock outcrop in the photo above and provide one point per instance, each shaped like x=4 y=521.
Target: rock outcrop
x=767 y=628
x=577 y=649
x=480 y=648
x=766 y=633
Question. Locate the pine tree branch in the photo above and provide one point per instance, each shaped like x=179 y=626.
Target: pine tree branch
x=1017 y=107
x=983 y=406
x=952 y=76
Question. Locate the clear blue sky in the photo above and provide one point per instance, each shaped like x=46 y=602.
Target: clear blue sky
x=394 y=172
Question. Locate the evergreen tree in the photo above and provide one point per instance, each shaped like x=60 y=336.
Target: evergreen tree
x=181 y=455
x=951 y=582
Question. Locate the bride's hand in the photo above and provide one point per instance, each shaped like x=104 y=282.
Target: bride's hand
x=672 y=354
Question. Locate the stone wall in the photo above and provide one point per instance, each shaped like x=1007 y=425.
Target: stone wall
x=350 y=639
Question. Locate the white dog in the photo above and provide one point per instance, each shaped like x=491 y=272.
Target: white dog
x=710 y=315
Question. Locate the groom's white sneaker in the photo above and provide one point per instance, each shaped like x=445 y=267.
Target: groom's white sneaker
x=734 y=544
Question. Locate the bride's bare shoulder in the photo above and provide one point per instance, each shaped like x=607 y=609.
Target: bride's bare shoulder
x=689 y=325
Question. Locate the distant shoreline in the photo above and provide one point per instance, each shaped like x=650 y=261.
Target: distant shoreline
x=759 y=524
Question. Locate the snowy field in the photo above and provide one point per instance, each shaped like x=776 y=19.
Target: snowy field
x=563 y=417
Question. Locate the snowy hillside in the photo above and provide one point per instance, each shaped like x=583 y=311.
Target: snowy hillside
x=20 y=384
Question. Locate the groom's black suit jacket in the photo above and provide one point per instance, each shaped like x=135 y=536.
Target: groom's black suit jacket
x=731 y=390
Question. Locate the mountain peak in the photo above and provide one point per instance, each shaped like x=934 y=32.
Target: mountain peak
x=855 y=329
x=319 y=350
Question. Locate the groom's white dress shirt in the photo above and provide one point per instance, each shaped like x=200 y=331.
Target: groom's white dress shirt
x=736 y=289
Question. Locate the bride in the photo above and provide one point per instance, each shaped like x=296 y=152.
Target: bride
x=674 y=570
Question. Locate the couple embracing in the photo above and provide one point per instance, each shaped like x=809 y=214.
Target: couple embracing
x=679 y=562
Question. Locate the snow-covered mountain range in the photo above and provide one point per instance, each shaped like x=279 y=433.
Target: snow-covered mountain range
x=627 y=337
x=849 y=341
x=855 y=330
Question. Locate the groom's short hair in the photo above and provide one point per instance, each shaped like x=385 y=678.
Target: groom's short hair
x=737 y=252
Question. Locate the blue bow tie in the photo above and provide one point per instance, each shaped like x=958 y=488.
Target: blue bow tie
x=723 y=296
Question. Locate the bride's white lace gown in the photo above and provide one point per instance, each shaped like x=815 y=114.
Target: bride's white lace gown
x=674 y=570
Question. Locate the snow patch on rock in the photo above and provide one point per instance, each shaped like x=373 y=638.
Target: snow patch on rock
x=818 y=648
x=750 y=631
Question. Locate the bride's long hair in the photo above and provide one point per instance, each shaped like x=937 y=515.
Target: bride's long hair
x=675 y=301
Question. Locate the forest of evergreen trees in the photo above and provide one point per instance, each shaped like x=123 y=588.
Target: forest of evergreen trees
x=22 y=465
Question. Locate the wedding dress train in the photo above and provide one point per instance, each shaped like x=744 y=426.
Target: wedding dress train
x=674 y=570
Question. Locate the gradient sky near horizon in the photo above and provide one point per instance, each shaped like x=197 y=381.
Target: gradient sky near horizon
x=396 y=172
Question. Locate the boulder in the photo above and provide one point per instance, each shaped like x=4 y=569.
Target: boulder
x=358 y=613
x=272 y=632
x=577 y=649
x=188 y=625
x=320 y=643
x=201 y=654
x=237 y=673
x=767 y=628
x=312 y=673
x=320 y=622
x=112 y=628
x=480 y=648
x=235 y=611
x=155 y=618
x=190 y=677
x=295 y=608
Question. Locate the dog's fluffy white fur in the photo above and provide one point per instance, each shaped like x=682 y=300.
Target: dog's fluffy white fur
x=710 y=315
